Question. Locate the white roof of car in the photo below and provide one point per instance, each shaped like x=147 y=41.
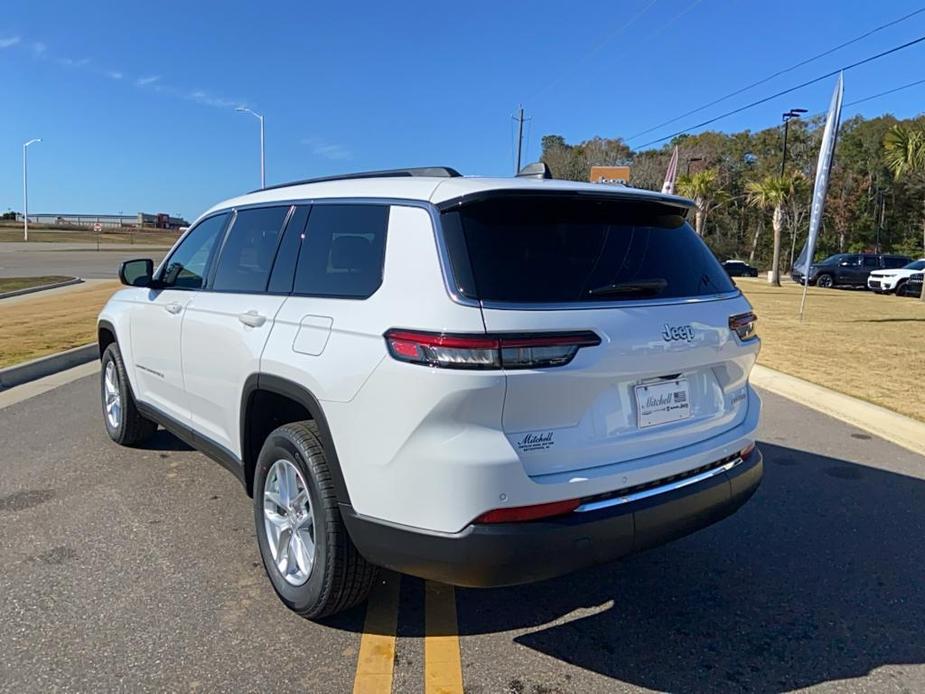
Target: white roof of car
x=434 y=190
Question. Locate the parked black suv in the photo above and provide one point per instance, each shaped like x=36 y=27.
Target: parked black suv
x=848 y=269
x=739 y=268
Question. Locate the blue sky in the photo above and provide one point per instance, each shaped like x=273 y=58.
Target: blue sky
x=135 y=100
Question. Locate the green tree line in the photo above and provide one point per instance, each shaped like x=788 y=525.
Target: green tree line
x=876 y=193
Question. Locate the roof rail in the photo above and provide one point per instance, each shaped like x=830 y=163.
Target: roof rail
x=434 y=171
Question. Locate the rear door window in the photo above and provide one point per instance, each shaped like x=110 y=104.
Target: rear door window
x=870 y=261
x=565 y=249
x=343 y=251
x=247 y=256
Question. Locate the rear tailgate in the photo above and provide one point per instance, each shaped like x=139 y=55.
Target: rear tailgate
x=668 y=371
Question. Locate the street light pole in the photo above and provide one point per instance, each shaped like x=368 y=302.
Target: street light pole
x=263 y=175
x=25 y=188
x=792 y=113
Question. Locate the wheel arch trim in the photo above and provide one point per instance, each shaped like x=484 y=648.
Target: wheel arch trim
x=303 y=396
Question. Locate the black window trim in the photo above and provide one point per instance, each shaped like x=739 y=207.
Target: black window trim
x=209 y=286
x=210 y=261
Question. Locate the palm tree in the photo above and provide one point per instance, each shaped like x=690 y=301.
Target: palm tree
x=904 y=153
x=772 y=193
x=704 y=189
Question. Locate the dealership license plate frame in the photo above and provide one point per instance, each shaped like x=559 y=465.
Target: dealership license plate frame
x=676 y=410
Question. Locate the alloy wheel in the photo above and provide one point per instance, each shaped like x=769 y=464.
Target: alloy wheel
x=112 y=398
x=289 y=522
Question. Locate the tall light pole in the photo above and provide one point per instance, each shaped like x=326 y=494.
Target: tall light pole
x=25 y=188
x=792 y=113
x=263 y=176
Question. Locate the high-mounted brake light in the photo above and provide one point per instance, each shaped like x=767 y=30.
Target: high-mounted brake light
x=743 y=325
x=518 y=514
x=488 y=351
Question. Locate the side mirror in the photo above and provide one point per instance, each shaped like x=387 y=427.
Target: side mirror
x=137 y=273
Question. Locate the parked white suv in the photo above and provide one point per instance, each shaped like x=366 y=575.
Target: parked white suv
x=478 y=381
x=887 y=281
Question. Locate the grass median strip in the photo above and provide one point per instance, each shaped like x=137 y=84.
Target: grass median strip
x=40 y=325
x=866 y=345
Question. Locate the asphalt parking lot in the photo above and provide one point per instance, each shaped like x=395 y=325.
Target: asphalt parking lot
x=137 y=570
x=73 y=259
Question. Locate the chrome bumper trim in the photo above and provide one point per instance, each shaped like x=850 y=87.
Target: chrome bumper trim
x=646 y=493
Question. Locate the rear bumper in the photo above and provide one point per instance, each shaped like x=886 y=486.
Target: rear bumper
x=513 y=553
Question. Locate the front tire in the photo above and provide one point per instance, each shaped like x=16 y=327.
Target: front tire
x=900 y=288
x=123 y=421
x=306 y=551
x=825 y=280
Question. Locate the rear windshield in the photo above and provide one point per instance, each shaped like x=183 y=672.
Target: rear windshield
x=555 y=249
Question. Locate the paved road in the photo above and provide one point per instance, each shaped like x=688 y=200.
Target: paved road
x=74 y=259
x=137 y=570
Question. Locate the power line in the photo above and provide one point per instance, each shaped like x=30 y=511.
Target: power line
x=786 y=91
x=888 y=91
x=780 y=72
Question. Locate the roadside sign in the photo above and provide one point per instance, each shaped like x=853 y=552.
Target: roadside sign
x=97 y=227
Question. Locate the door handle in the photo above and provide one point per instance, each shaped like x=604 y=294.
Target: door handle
x=252 y=318
x=173 y=307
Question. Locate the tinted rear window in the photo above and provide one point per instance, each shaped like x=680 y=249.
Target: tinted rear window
x=555 y=249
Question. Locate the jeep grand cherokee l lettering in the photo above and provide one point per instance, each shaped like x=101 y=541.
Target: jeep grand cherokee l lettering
x=479 y=381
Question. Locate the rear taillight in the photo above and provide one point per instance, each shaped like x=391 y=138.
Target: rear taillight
x=519 y=514
x=488 y=351
x=743 y=325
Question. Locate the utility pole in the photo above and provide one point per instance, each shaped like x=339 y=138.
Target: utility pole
x=520 y=136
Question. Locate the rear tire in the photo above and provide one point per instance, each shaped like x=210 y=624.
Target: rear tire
x=123 y=421
x=825 y=280
x=302 y=519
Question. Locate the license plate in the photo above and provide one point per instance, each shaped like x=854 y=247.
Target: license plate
x=661 y=403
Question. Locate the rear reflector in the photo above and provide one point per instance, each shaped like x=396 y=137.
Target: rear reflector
x=528 y=513
x=745 y=452
x=488 y=351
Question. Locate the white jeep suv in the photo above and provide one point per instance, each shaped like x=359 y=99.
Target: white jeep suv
x=478 y=381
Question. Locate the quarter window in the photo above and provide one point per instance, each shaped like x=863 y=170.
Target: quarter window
x=187 y=266
x=247 y=257
x=343 y=251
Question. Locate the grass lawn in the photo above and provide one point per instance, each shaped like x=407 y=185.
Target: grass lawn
x=867 y=345
x=147 y=237
x=11 y=284
x=41 y=325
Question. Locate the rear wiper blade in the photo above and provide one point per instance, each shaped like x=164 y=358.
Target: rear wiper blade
x=651 y=287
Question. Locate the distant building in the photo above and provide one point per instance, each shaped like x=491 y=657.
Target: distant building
x=610 y=174
x=159 y=220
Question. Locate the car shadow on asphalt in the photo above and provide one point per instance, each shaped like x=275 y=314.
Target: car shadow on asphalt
x=817 y=578
x=163 y=440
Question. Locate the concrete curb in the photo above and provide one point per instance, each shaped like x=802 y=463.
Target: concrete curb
x=45 y=366
x=40 y=288
x=892 y=426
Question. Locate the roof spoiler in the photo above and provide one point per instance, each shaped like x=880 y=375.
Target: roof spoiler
x=537 y=169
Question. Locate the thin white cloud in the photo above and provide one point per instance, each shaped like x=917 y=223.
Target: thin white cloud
x=206 y=99
x=70 y=62
x=38 y=49
x=9 y=41
x=145 y=81
x=328 y=150
x=114 y=74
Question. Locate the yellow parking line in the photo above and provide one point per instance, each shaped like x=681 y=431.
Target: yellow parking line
x=377 y=647
x=442 y=664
